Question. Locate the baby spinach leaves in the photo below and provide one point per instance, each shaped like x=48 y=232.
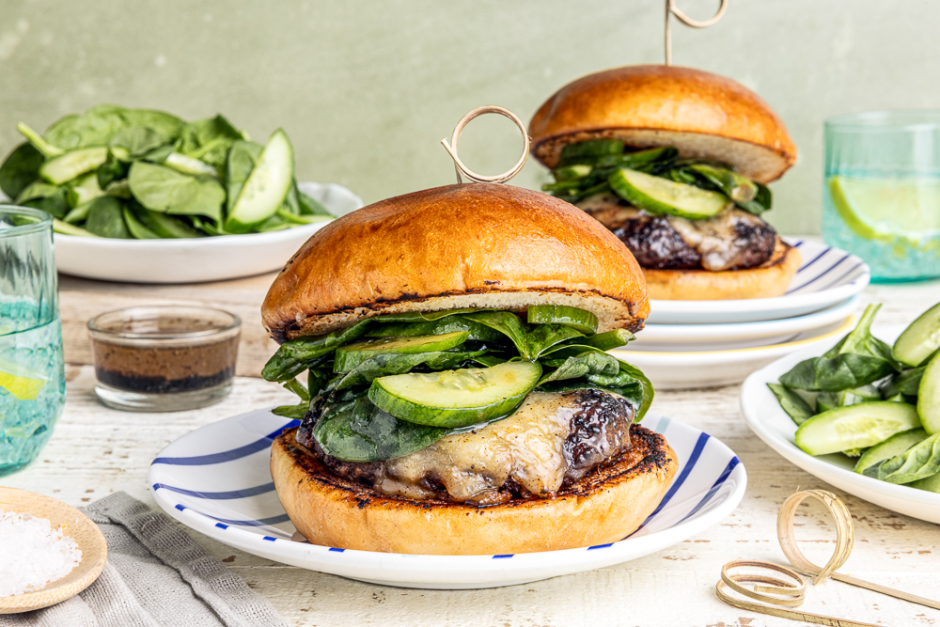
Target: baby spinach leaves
x=358 y=431
x=857 y=360
x=145 y=158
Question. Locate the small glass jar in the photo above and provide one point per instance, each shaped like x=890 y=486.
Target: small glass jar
x=164 y=358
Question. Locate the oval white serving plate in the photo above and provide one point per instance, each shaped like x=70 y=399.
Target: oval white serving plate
x=216 y=480
x=194 y=260
x=772 y=425
x=683 y=370
x=744 y=334
x=827 y=277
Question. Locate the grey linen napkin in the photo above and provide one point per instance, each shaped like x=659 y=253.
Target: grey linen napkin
x=156 y=576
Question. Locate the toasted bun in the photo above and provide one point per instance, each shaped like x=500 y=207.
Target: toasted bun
x=476 y=245
x=605 y=506
x=769 y=279
x=702 y=114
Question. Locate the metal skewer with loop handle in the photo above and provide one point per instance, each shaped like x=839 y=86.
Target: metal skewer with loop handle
x=776 y=595
x=672 y=9
x=463 y=170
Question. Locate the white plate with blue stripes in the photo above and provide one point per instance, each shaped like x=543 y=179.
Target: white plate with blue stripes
x=828 y=276
x=216 y=480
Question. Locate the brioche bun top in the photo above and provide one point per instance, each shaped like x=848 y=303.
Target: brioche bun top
x=478 y=245
x=702 y=114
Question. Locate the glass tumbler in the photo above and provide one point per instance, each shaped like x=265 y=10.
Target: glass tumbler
x=881 y=195
x=32 y=375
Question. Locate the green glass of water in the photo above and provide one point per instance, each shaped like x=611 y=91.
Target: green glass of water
x=32 y=376
x=881 y=196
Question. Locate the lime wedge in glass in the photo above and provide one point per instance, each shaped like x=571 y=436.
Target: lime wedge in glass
x=23 y=383
x=888 y=209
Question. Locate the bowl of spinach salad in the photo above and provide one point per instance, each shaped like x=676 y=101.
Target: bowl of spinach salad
x=143 y=196
x=864 y=415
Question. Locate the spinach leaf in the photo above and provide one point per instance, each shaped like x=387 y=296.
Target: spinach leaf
x=508 y=324
x=918 y=462
x=295 y=412
x=857 y=360
x=544 y=336
x=20 y=168
x=423 y=316
x=907 y=382
x=106 y=218
x=309 y=206
x=241 y=160
x=451 y=324
x=208 y=140
x=361 y=432
x=47 y=197
x=134 y=142
x=113 y=169
x=163 y=189
x=295 y=356
x=598 y=370
x=98 y=125
x=385 y=364
x=792 y=403
x=609 y=339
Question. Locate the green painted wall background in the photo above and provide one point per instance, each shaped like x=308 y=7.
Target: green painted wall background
x=367 y=88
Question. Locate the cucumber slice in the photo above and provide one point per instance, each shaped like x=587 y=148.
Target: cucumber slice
x=189 y=165
x=579 y=319
x=138 y=230
x=266 y=187
x=351 y=355
x=65 y=228
x=661 y=196
x=895 y=445
x=591 y=149
x=571 y=172
x=165 y=226
x=73 y=164
x=610 y=339
x=920 y=339
x=928 y=396
x=855 y=426
x=456 y=398
x=930 y=484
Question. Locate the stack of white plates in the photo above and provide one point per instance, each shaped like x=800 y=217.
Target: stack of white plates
x=692 y=344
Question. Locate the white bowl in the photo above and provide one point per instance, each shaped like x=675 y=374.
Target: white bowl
x=194 y=260
x=772 y=425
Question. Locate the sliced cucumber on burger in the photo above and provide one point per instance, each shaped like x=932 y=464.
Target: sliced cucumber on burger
x=351 y=355
x=578 y=319
x=456 y=398
x=661 y=196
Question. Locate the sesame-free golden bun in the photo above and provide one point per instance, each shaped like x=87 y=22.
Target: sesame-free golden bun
x=479 y=245
x=703 y=115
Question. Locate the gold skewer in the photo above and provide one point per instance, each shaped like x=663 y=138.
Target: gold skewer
x=793 y=593
x=672 y=9
x=459 y=166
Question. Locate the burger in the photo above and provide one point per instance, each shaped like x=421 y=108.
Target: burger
x=459 y=398
x=675 y=162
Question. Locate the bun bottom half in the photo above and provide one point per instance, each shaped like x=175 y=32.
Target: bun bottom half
x=607 y=504
x=772 y=278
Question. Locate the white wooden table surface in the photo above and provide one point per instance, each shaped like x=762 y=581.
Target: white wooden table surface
x=95 y=451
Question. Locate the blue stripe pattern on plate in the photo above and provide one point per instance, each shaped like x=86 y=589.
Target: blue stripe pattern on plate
x=227 y=456
x=824 y=265
x=266 y=524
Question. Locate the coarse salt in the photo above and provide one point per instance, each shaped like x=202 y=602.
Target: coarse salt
x=32 y=553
